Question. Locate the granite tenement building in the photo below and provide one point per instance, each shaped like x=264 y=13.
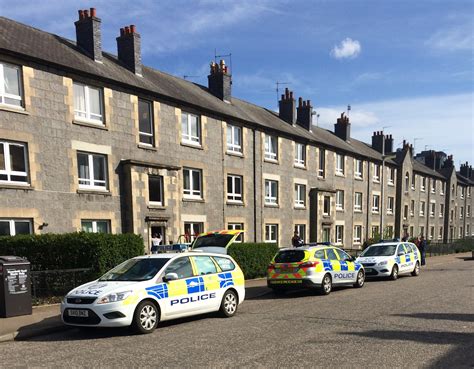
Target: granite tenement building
x=101 y=143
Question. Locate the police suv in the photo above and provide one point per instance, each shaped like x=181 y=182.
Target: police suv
x=319 y=267
x=390 y=259
x=145 y=290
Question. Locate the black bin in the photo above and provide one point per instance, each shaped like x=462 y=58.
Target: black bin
x=15 y=286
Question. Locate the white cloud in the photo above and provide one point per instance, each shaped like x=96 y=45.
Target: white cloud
x=348 y=48
x=458 y=38
x=443 y=122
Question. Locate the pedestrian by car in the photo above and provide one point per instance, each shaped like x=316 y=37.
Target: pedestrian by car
x=422 y=247
x=296 y=240
x=155 y=243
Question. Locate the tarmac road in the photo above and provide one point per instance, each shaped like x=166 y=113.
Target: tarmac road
x=425 y=321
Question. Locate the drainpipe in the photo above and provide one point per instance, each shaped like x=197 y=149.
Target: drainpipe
x=254 y=189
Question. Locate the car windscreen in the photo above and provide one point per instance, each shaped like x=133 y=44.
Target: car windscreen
x=386 y=250
x=135 y=270
x=212 y=240
x=289 y=256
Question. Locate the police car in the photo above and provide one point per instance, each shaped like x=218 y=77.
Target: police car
x=215 y=241
x=145 y=290
x=318 y=267
x=390 y=259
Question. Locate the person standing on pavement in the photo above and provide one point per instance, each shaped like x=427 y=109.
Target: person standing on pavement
x=296 y=241
x=422 y=248
x=155 y=242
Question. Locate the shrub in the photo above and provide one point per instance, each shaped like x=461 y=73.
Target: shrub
x=97 y=251
x=253 y=258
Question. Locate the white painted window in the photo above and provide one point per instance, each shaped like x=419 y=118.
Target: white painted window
x=461 y=212
x=413 y=181
x=441 y=210
x=412 y=207
x=327 y=205
x=271 y=192
x=339 y=234
x=375 y=231
x=322 y=163
x=441 y=188
x=407 y=181
x=432 y=232
x=433 y=185
x=468 y=211
x=405 y=212
x=357 y=234
x=192 y=230
x=340 y=164
x=145 y=122
x=390 y=204
x=358 y=201
x=300 y=155
x=300 y=195
x=271 y=233
x=432 y=209
x=301 y=230
x=95 y=226
x=155 y=190
x=234 y=139
x=391 y=176
x=422 y=231
x=422 y=208
x=13 y=163
x=440 y=233
x=376 y=173
x=271 y=147
x=12 y=227
x=237 y=226
x=462 y=192
x=375 y=203
x=234 y=188
x=358 y=168
x=92 y=171
x=192 y=183
x=10 y=85
x=190 y=129
x=88 y=103
x=423 y=183
x=339 y=200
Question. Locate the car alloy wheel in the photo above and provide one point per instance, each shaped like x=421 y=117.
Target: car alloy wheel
x=229 y=304
x=326 y=285
x=146 y=317
x=416 y=271
x=360 y=279
x=394 y=274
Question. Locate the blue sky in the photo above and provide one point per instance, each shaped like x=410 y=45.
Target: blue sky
x=403 y=64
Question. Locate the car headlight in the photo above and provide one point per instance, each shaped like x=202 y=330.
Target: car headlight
x=382 y=263
x=114 y=297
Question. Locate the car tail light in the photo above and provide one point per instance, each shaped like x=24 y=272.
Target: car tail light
x=309 y=264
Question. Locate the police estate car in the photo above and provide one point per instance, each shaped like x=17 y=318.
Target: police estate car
x=216 y=241
x=390 y=259
x=145 y=290
x=318 y=267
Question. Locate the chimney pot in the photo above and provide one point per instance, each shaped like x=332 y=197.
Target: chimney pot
x=81 y=14
x=308 y=103
x=127 y=30
x=291 y=95
x=93 y=12
x=282 y=96
x=122 y=31
x=133 y=28
x=86 y=13
x=300 y=101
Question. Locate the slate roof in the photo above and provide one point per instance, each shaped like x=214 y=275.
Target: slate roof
x=421 y=168
x=464 y=180
x=46 y=48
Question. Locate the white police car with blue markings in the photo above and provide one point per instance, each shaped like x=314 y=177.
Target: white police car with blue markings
x=145 y=290
x=390 y=259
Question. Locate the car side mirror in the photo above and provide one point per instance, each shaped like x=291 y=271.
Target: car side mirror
x=170 y=277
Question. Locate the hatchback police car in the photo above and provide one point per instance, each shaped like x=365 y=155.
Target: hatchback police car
x=390 y=259
x=318 y=267
x=145 y=290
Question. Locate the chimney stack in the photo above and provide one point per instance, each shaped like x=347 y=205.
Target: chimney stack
x=304 y=115
x=342 y=128
x=449 y=162
x=466 y=170
x=377 y=140
x=129 y=49
x=220 y=81
x=88 y=36
x=388 y=144
x=288 y=107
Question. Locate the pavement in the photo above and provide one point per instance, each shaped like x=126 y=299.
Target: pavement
x=46 y=319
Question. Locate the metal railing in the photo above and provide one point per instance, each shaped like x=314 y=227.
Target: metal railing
x=48 y=283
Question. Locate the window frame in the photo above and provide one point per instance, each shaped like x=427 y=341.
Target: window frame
x=340 y=164
x=90 y=163
x=358 y=207
x=94 y=225
x=3 y=94
x=151 y=122
x=191 y=193
x=339 y=205
x=233 y=147
x=271 y=199
x=300 y=155
x=8 y=164
x=376 y=173
x=12 y=226
x=301 y=229
x=271 y=142
x=390 y=205
x=300 y=195
x=327 y=200
x=322 y=163
x=186 y=135
x=87 y=105
x=161 y=190
x=268 y=232
x=391 y=176
x=193 y=225
x=422 y=208
x=375 y=204
x=237 y=226
x=357 y=238
x=358 y=168
x=339 y=240
x=235 y=197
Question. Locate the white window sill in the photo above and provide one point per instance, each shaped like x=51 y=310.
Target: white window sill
x=270 y=160
x=235 y=202
x=147 y=147
x=235 y=153
x=95 y=191
x=90 y=124
x=271 y=205
x=300 y=166
x=192 y=144
x=391 y=184
x=358 y=177
x=13 y=109
x=15 y=185
x=193 y=199
x=339 y=174
x=357 y=210
x=299 y=207
x=375 y=180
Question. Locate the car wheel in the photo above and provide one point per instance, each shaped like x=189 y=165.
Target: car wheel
x=416 y=271
x=326 y=285
x=360 y=279
x=394 y=274
x=229 y=304
x=146 y=317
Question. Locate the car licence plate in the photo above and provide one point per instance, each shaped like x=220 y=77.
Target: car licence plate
x=368 y=270
x=286 y=281
x=78 y=313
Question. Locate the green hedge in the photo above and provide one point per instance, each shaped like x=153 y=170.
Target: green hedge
x=253 y=258
x=98 y=251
